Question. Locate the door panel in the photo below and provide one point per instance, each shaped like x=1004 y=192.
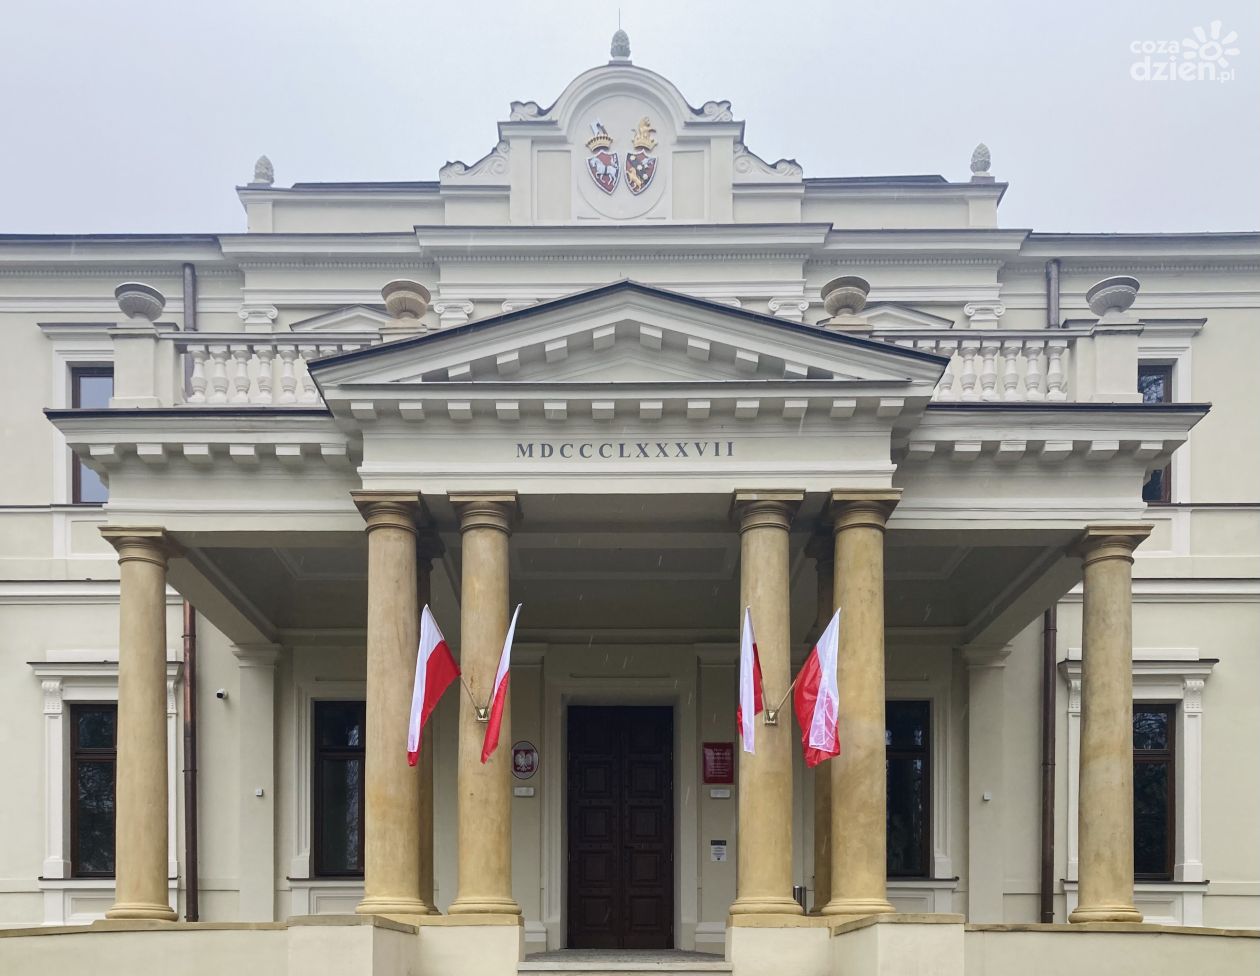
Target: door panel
x=621 y=827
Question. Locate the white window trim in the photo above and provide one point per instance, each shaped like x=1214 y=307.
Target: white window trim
x=1169 y=343
x=1173 y=675
x=85 y=677
x=73 y=344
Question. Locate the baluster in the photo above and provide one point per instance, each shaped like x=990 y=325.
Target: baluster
x=197 y=378
x=945 y=388
x=1032 y=369
x=306 y=385
x=1055 y=378
x=240 y=373
x=218 y=374
x=1011 y=349
x=288 y=376
x=968 y=349
x=266 y=356
x=988 y=368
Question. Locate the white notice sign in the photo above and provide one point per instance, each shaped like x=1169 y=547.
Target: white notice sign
x=717 y=850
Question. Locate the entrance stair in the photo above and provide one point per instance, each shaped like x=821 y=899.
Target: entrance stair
x=621 y=962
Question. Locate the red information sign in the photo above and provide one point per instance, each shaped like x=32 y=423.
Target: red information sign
x=719 y=762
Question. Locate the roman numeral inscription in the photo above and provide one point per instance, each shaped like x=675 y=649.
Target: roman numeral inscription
x=623 y=450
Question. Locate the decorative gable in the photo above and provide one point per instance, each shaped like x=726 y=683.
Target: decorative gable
x=352 y=318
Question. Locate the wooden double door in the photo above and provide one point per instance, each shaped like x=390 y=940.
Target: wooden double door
x=621 y=827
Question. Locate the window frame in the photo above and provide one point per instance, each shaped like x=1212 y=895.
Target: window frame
x=1168 y=370
x=318 y=753
x=1167 y=757
x=925 y=753
x=77 y=372
x=79 y=754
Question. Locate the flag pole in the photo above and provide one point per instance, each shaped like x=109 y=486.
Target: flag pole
x=772 y=714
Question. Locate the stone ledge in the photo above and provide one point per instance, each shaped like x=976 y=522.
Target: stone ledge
x=1134 y=928
x=517 y=921
x=840 y=924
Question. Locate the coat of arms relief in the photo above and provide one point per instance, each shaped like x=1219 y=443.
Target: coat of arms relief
x=604 y=164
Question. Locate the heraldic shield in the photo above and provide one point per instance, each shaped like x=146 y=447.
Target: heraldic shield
x=641 y=164
x=603 y=164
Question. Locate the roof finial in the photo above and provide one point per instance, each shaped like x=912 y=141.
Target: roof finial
x=264 y=173
x=980 y=163
x=620 y=43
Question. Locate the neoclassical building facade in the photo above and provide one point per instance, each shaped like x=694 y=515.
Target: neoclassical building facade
x=631 y=375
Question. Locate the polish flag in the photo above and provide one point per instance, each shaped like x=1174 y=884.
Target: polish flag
x=817 y=698
x=500 y=692
x=435 y=670
x=749 y=684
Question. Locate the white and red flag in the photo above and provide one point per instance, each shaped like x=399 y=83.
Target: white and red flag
x=499 y=697
x=750 y=697
x=435 y=670
x=817 y=697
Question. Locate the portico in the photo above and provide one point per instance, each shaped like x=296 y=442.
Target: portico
x=633 y=518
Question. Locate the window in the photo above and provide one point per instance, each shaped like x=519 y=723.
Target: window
x=93 y=762
x=1154 y=733
x=908 y=765
x=339 y=729
x=1155 y=385
x=90 y=387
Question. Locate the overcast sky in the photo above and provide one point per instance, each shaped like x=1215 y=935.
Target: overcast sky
x=142 y=115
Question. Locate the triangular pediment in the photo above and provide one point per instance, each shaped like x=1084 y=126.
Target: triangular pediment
x=352 y=318
x=628 y=332
x=886 y=315
x=626 y=341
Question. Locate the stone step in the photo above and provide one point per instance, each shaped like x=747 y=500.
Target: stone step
x=614 y=963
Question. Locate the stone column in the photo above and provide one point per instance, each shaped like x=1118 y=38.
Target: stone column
x=1105 y=807
x=428 y=548
x=140 y=857
x=859 y=798
x=821 y=549
x=391 y=848
x=485 y=790
x=763 y=876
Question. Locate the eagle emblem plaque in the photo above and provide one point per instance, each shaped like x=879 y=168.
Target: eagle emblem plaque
x=640 y=163
x=603 y=164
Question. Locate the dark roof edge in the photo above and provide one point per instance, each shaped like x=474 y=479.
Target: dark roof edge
x=269 y=410
x=624 y=284
x=1042 y=406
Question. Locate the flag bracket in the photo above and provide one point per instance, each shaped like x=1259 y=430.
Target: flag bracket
x=483 y=713
x=772 y=716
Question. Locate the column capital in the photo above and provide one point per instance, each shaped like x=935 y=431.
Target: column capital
x=1110 y=541
x=393 y=509
x=852 y=507
x=765 y=509
x=147 y=543
x=486 y=509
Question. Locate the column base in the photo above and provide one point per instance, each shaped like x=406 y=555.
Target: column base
x=766 y=905
x=158 y=911
x=1105 y=913
x=857 y=906
x=479 y=905
x=394 y=906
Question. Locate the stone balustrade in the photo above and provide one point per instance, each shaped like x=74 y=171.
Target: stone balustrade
x=998 y=364
x=254 y=369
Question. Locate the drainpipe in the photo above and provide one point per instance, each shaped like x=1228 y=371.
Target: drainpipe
x=192 y=907
x=1052 y=294
x=192 y=901
x=1049 y=694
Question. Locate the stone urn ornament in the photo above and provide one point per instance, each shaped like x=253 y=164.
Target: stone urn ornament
x=1111 y=299
x=140 y=301
x=844 y=298
x=406 y=302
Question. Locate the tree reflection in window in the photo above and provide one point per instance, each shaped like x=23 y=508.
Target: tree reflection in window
x=907 y=738
x=339 y=731
x=1154 y=736
x=93 y=764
